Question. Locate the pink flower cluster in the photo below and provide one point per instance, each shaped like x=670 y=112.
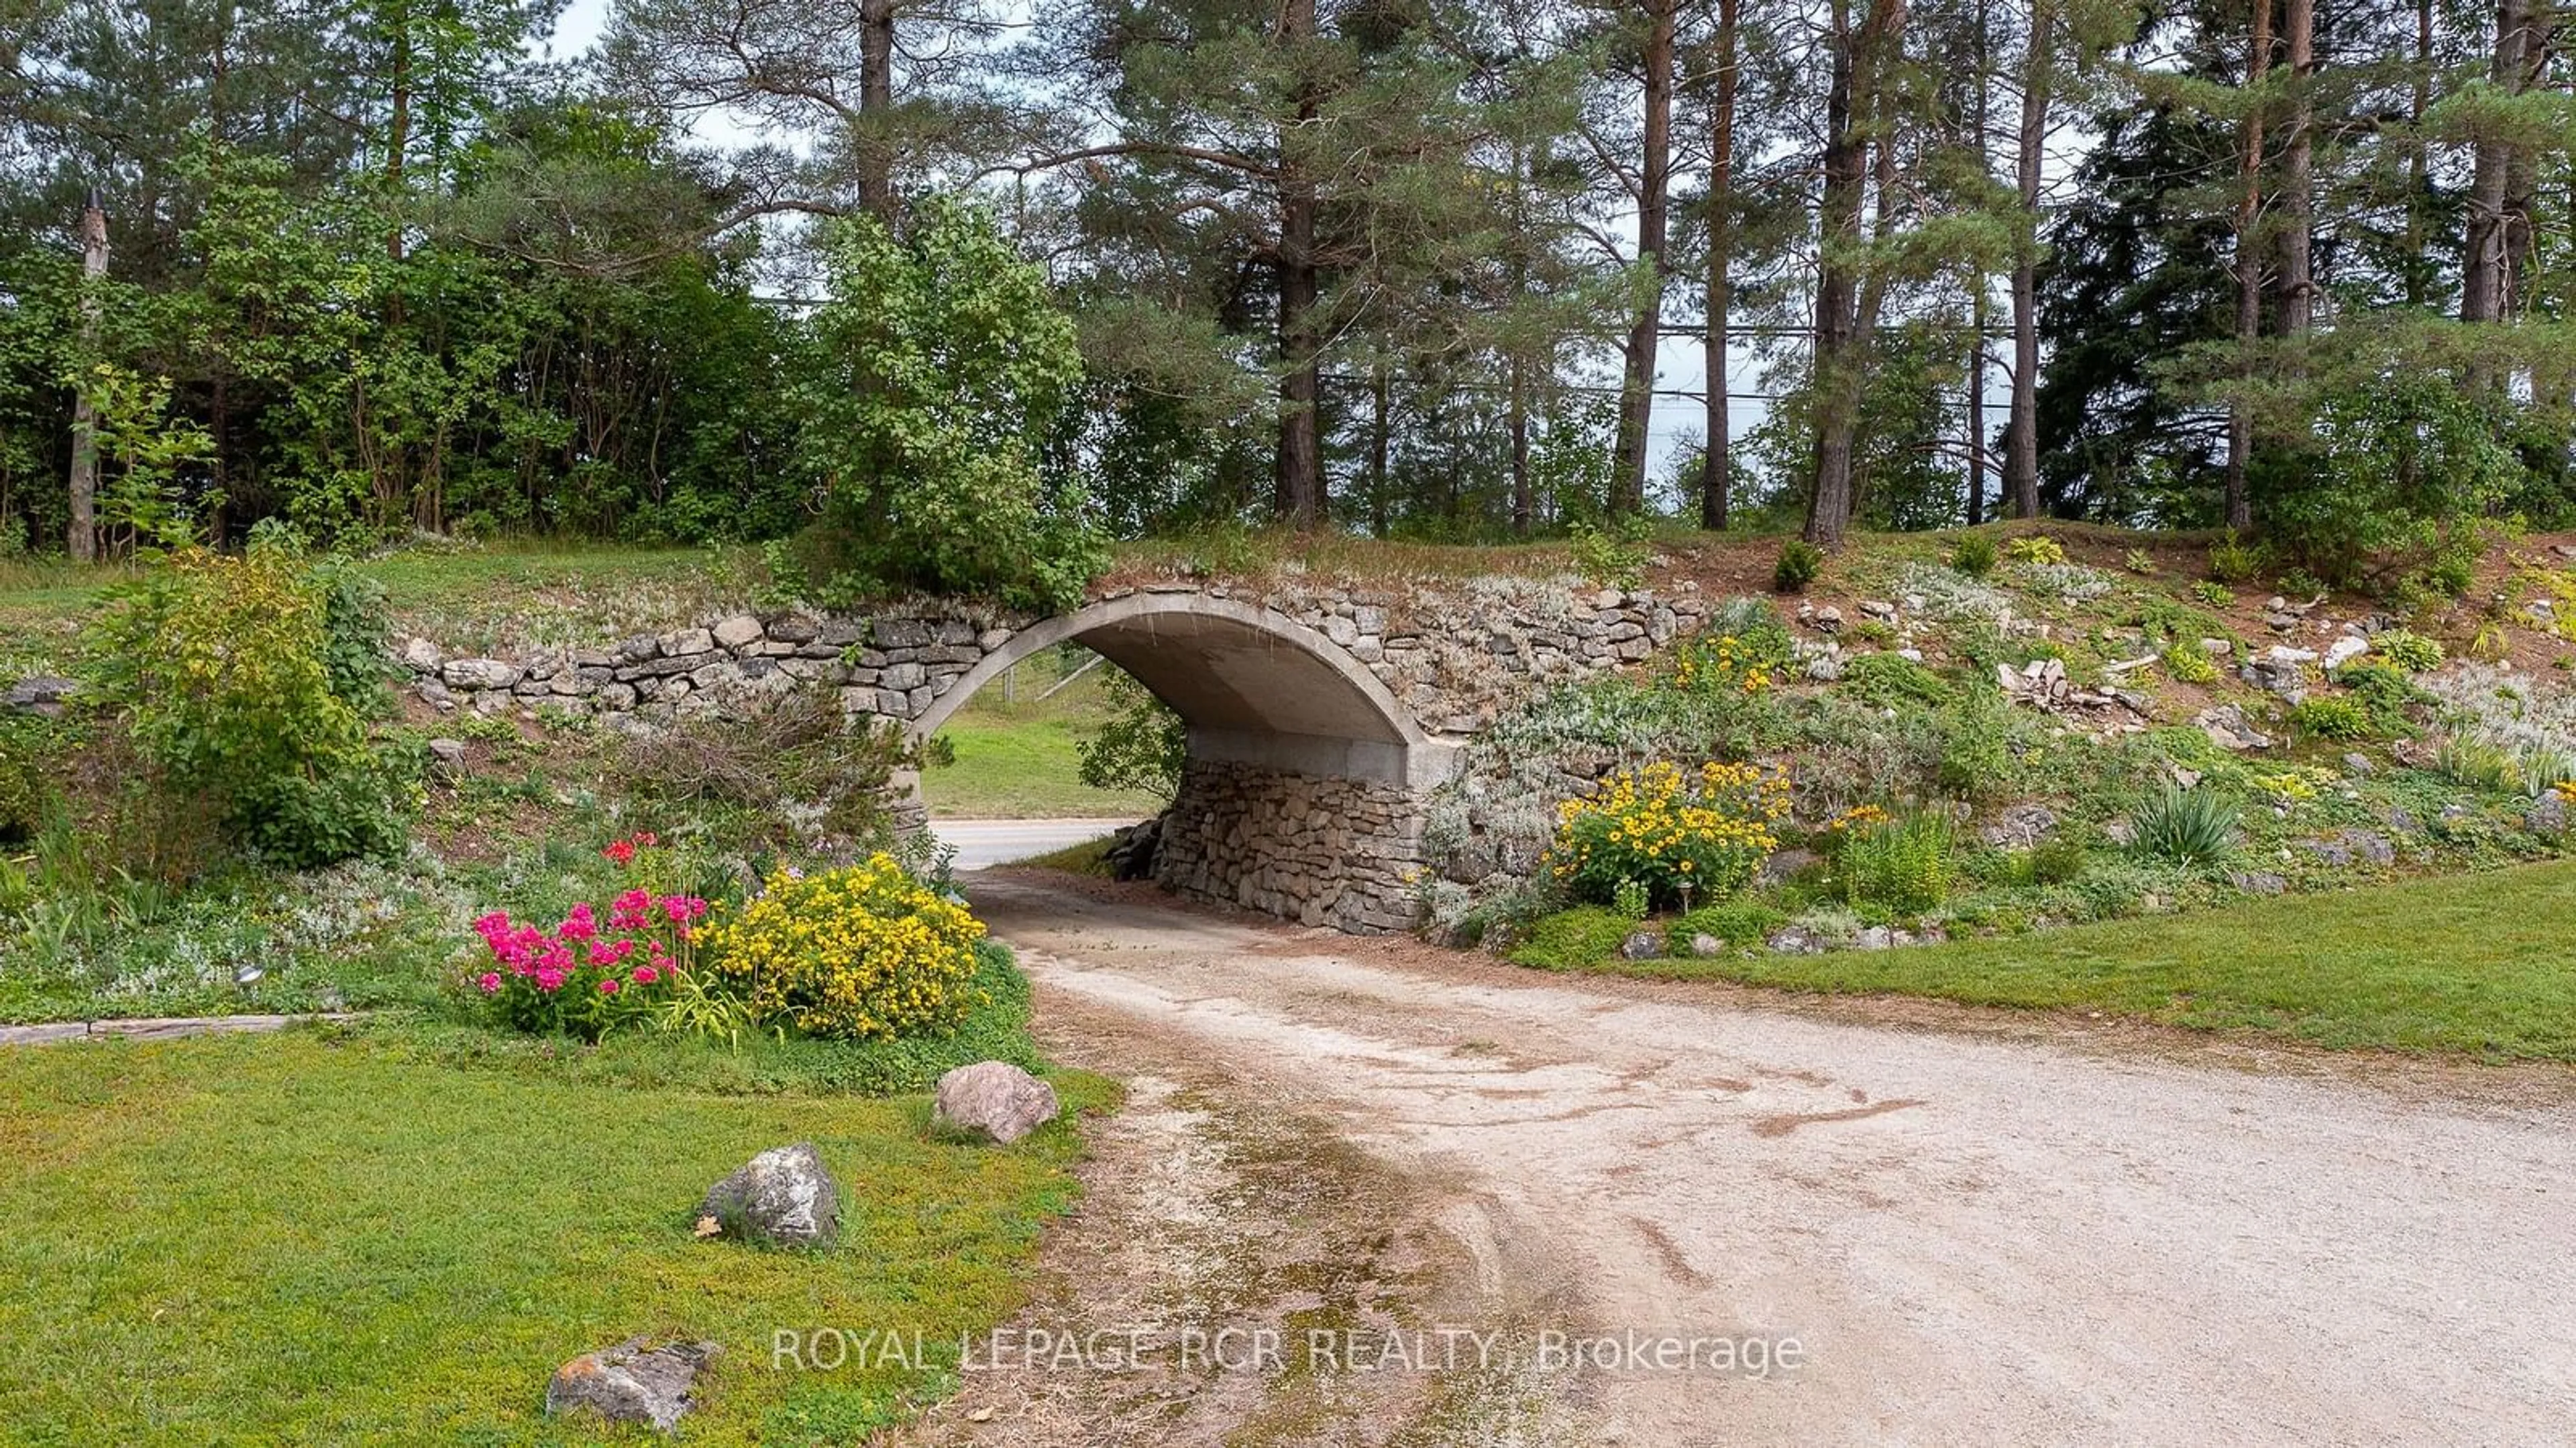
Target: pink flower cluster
x=547 y=959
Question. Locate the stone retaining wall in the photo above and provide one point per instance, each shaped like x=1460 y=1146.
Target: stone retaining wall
x=891 y=666
x=1248 y=829
x=1456 y=655
x=1338 y=852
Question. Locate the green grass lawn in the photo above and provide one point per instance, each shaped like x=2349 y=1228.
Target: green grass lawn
x=2481 y=965
x=308 y=1239
x=1015 y=753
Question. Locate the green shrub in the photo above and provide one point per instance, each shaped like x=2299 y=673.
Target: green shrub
x=2034 y=548
x=2058 y=859
x=1615 y=557
x=2188 y=665
x=1800 y=562
x=1901 y=863
x=26 y=767
x=356 y=624
x=1975 y=730
x=1889 y=680
x=2381 y=690
x=223 y=668
x=2331 y=716
x=2232 y=561
x=2400 y=472
x=1974 y=555
x=2187 y=826
x=1573 y=939
x=2139 y=561
x=1143 y=746
x=2408 y=650
x=2216 y=595
x=938 y=369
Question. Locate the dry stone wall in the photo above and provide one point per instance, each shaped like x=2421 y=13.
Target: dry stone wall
x=892 y=666
x=1338 y=852
x=1326 y=850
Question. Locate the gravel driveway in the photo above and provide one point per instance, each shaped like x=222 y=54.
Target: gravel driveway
x=2023 y=1234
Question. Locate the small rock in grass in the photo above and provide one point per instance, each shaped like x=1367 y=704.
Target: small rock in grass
x=1875 y=937
x=1784 y=864
x=2329 y=851
x=995 y=1098
x=1642 y=945
x=2022 y=825
x=2548 y=814
x=449 y=754
x=1796 y=940
x=783 y=1197
x=2258 y=882
x=2360 y=764
x=630 y=1383
x=1706 y=946
x=2374 y=848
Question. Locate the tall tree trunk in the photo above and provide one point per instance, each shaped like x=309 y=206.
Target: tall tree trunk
x=1298 y=495
x=82 y=539
x=2482 y=266
x=2249 y=266
x=2021 y=462
x=1654 y=186
x=1377 y=450
x=1846 y=169
x=876 y=107
x=1523 y=503
x=1977 y=404
x=2297 y=282
x=1982 y=63
x=1842 y=310
x=398 y=131
x=2419 y=197
x=2522 y=176
x=1715 y=475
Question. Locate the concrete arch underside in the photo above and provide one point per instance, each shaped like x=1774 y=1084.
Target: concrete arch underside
x=1303 y=796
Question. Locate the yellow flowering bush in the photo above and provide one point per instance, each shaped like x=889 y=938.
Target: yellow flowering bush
x=864 y=952
x=1725 y=664
x=1696 y=835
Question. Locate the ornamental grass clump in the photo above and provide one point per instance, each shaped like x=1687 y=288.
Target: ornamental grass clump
x=864 y=952
x=1689 y=836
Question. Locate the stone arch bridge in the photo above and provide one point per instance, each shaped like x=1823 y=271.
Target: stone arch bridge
x=1321 y=713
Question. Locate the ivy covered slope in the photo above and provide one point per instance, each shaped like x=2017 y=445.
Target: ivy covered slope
x=1980 y=735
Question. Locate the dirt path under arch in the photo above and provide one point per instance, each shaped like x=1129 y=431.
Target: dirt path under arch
x=1976 y=1228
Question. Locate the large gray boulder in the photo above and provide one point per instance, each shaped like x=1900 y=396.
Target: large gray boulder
x=783 y=1198
x=630 y=1383
x=45 y=694
x=480 y=674
x=995 y=1098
